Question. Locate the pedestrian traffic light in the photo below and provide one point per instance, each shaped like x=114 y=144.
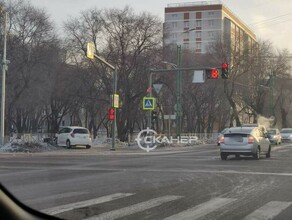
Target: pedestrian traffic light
x=212 y=73
x=224 y=71
x=111 y=114
x=153 y=115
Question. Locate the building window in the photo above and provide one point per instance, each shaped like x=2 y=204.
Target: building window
x=211 y=23
x=198 y=45
x=174 y=35
x=186 y=35
x=174 y=24
x=174 y=16
x=198 y=23
x=211 y=34
x=198 y=34
x=210 y=13
x=186 y=24
x=186 y=46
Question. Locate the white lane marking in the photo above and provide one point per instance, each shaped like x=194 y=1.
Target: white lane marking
x=201 y=210
x=139 y=207
x=55 y=197
x=71 y=206
x=268 y=211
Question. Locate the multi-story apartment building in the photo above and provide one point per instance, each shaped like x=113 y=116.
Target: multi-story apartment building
x=197 y=25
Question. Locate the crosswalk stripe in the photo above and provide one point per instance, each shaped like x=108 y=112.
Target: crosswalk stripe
x=201 y=210
x=139 y=207
x=71 y=206
x=268 y=211
x=54 y=197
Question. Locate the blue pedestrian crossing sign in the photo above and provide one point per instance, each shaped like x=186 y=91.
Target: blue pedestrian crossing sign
x=148 y=103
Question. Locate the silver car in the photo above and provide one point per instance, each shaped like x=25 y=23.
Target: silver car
x=245 y=141
x=220 y=135
x=275 y=136
x=286 y=134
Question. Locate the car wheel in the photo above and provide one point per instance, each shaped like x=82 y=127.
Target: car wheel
x=68 y=144
x=223 y=156
x=268 y=154
x=257 y=154
x=88 y=146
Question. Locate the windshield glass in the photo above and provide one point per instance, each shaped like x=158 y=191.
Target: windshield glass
x=150 y=109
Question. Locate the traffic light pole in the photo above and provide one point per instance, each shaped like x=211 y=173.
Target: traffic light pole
x=150 y=95
x=114 y=122
x=112 y=100
x=178 y=92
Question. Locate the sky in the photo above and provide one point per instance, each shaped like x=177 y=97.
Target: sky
x=269 y=19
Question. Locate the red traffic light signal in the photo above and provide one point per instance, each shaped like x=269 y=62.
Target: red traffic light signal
x=111 y=114
x=212 y=73
x=224 y=65
x=224 y=71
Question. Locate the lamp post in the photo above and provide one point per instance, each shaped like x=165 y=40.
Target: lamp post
x=271 y=93
x=4 y=68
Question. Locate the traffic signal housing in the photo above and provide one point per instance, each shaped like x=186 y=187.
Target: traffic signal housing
x=212 y=73
x=224 y=71
x=154 y=115
x=111 y=114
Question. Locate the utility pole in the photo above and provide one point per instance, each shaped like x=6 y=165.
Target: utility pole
x=4 y=68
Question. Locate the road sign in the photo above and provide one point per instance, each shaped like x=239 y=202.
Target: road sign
x=157 y=87
x=148 y=103
x=198 y=76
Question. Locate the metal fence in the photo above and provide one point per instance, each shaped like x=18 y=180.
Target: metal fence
x=203 y=138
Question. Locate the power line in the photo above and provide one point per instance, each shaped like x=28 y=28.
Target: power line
x=277 y=22
x=273 y=19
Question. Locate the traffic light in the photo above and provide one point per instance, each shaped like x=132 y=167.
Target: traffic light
x=153 y=115
x=224 y=71
x=212 y=73
x=111 y=114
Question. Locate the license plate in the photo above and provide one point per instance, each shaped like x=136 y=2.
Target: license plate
x=238 y=139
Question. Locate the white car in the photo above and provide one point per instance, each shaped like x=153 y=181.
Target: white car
x=73 y=136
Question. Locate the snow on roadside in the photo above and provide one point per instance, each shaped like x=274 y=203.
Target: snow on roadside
x=27 y=147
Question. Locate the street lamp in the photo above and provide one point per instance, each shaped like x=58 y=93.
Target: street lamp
x=4 y=68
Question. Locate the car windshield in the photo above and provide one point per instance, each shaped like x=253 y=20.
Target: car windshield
x=154 y=109
x=272 y=131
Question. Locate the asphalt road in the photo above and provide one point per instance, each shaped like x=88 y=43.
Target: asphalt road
x=191 y=183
